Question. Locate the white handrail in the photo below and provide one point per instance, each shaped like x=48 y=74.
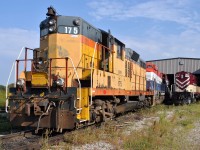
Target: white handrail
x=78 y=81
x=92 y=72
x=6 y=106
x=9 y=79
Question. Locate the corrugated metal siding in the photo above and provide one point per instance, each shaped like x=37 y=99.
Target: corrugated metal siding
x=171 y=66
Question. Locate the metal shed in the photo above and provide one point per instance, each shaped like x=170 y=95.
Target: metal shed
x=173 y=65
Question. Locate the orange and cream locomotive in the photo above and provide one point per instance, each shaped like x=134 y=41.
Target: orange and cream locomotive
x=79 y=75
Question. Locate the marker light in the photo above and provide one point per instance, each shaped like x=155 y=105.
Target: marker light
x=60 y=82
x=20 y=82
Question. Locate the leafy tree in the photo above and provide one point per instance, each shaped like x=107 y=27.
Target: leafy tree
x=2 y=88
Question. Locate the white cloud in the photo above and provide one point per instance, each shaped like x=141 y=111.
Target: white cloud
x=106 y=8
x=12 y=40
x=185 y=44
x=164 y=10
x=156 y=43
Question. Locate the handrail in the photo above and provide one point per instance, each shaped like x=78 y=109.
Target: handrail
x=92 y=72
x=6 y=106
x=79 y=84
x=14 y=64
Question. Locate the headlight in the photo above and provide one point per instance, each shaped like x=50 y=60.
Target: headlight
x=20 y=82
x=60 y=82
x=51 y=29
x=39 y=62
x=52 y=21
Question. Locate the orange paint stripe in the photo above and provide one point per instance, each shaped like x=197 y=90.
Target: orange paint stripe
x=88 y=41
x=111 y=92
x=91 y=43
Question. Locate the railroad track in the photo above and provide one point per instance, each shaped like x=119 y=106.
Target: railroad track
x=26 y=140
x=13 y=135
x=14 y=140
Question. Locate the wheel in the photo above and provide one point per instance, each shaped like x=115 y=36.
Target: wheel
x=187 y=101
x=194 y=100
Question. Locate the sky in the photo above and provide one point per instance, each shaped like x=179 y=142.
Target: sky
x=156 y=29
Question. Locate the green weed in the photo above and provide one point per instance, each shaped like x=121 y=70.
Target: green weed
x=167 y=133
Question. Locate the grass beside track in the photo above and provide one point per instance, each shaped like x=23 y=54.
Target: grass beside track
x=169 y=132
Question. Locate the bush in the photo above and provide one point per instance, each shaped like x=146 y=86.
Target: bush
x=2 y=95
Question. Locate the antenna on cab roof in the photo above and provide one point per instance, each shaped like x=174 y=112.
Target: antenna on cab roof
x=51 y=11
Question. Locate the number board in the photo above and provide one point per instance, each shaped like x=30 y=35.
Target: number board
x=68 y=30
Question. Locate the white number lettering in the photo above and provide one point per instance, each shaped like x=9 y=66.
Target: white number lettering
x=66 y=30
x=75 y=30
x=69 y=30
